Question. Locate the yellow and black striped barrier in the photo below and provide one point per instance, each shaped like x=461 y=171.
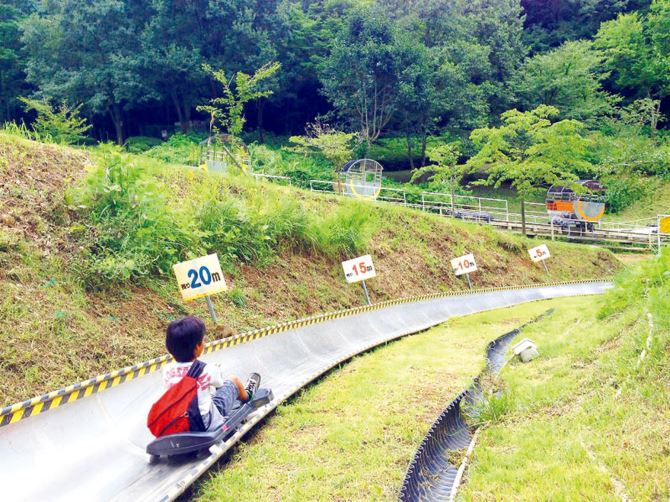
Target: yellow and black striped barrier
x=71 y=393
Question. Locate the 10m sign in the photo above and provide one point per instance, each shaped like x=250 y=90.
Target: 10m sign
x=464 y=264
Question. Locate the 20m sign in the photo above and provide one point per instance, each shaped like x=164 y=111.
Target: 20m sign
x=199 y=277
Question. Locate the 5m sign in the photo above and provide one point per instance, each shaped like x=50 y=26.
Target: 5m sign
x=359 y=269
x=464 y=264
x=199 y=277
x=539 y=253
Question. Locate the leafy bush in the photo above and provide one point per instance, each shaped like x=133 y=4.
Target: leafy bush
x=264 y=159
x=178 y=149
x=624 y=191
x=131 y=232
x=334 y=146
x=624 y=151
x=299 y=168
x=345 y=232
x=139 y=144
x=62 y=124
x=288 y=224
x=232 y=232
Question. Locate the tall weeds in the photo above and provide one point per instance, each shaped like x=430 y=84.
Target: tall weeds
x=644 y=292
x=136 y=219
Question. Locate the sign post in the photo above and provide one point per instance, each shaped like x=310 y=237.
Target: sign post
x=540 y=253
x=465 y=264
x=358 y=270
x=200 y=277
x=663 y=228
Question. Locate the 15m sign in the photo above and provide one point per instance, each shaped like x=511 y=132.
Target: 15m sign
x=199 y=277
x=359 y=269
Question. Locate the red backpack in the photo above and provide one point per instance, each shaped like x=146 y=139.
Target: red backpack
x=177 y=410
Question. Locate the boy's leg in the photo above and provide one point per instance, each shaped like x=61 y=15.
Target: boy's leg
x=225 y=397
x=242 y=394
x=233 y=390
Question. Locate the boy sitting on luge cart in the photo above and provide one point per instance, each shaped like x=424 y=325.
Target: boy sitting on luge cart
x=214 y=398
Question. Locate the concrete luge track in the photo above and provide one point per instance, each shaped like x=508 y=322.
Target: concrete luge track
x=93 y=448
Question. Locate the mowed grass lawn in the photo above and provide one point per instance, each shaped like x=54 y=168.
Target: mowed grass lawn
x=352 y=435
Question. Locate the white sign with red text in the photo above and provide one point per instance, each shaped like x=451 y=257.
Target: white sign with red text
x=359 y=269
x=464 y=264
x=539 y=253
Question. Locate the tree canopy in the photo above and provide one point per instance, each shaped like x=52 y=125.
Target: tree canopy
x=374 y=67
x=530 y=151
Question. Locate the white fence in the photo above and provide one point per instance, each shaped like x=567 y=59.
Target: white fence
x=283 y=180
x=642 y=233
x=385 y=194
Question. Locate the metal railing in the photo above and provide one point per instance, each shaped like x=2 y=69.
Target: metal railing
x=635 y=235
x=465 y=206
x=273 y=178
x=384 y=194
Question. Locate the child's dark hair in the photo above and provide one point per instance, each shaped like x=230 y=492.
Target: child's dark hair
x=182 y=336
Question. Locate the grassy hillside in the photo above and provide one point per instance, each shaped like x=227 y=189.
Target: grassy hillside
x=88 y=238
x=589 y=419
x=655 y=203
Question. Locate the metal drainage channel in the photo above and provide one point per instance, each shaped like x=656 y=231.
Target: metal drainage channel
x=430 y=476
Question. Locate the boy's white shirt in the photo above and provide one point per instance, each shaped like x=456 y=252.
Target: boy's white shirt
x=210 y=380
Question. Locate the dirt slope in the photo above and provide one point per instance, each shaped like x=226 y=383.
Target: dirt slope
x=54 y=332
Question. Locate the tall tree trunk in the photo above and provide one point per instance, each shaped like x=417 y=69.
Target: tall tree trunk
x=655 y=114
x=116 y=114
x=260 y=105
x=187 y=113
x=410 y=153
x=183 y=111
x=424 y=144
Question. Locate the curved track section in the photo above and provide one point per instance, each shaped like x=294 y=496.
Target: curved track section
x=94 y=448
x=430 y=475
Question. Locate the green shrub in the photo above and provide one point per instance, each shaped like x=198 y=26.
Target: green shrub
x=287 y=224
x=132 y=230
x=495 y=407
x=61 y=124
x=625 y=191
x=346 y=232
x=237 y=296
x=283 y=162
x=231 y=232
x=139 y=144
x=178 y=149
x=265 y=160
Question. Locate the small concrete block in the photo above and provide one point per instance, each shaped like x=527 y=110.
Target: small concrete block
x=526 y=350
x=529 y=354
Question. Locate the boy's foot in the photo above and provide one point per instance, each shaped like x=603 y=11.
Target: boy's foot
x=253 y=383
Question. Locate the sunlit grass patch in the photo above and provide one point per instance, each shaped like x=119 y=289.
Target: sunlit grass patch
x=352 y=436
x=591 y=419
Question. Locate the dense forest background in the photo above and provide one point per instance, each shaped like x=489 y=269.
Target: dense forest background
x=136 y=66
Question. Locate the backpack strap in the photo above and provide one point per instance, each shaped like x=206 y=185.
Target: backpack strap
x=196 y=369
